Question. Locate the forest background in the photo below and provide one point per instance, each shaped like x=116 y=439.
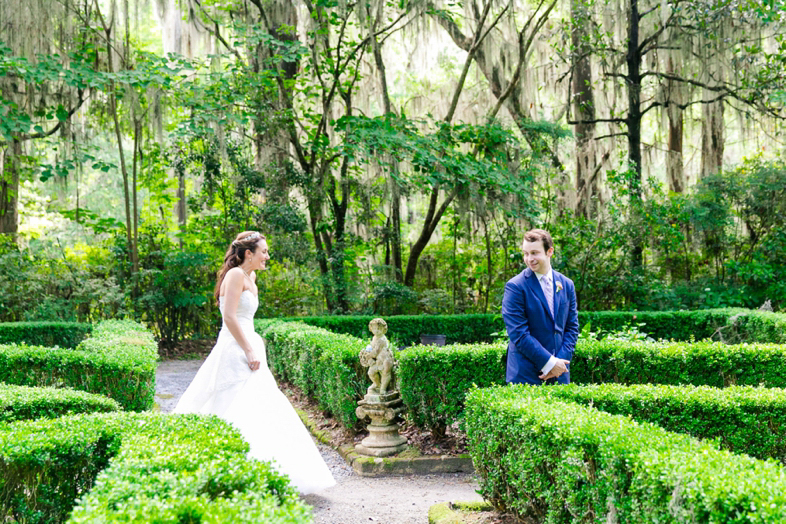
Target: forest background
x=392 y=152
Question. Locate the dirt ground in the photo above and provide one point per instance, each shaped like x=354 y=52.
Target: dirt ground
x=354 y=499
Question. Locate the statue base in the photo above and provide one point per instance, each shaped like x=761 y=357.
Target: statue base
x=383 y=439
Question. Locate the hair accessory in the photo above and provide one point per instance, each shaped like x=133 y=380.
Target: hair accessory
x=252 y=236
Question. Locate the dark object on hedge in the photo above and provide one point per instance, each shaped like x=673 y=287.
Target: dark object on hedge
x=432 y=340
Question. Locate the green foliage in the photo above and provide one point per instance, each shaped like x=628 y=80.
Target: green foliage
x=47 y=282
x=731 y=325
x=565 y=463
x=702 y=363
x=434 y=381
x=177 y=287
x=26 y=403
x=118 y=360
x=163 y=468
x=63 y=334
x=741 y=419
x=407 y=329
x=322 y=364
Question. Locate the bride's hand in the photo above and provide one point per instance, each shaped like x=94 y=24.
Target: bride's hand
x=253 y=361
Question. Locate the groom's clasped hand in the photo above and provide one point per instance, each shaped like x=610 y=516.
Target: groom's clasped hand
x=560 y=367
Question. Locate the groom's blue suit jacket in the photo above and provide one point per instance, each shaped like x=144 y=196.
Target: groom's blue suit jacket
x=534 y=333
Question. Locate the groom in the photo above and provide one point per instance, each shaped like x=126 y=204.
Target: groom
x=539 y=310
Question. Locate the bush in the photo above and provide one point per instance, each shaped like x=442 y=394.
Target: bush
x=63 y=334
x=565 y=463
x=24 y=403
x=118 y=360
x=701 y=364
x=324 y=365
x=406 y=329
x=138 y=467
x=434 y=381
x=730 y=325
x=741 y=419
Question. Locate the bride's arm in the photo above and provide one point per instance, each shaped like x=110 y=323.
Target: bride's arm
x=234 y=288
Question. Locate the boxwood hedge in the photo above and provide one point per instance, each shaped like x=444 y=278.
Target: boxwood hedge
x=137 y=467
x=434 y=380
x=732 y=324
x=322 y=364
x=742 y=419
x=118 y=360
x=26 y=403
x=701 y=364
x=62 y=334
x=561 y=462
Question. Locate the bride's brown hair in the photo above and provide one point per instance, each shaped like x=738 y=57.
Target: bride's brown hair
x=236 y=255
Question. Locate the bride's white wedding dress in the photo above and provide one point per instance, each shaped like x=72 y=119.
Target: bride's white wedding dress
x=251 y=402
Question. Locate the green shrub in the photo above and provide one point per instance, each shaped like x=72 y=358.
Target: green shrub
x=701 y=364
x=566 y=463
x=138 y=467
x=25 y=403
x=324 y=365
x=63 y=334
x=742 y=419
x=118 y=360
x=406 y=329
x=730 y=325
x=434 y=380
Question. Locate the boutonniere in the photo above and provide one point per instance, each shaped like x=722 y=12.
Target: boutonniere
x=559 y=286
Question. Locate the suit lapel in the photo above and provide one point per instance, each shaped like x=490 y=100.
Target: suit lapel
x=558 y=297
x=534 y=284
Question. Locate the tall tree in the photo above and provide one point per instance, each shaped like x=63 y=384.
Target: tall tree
x=652 y=28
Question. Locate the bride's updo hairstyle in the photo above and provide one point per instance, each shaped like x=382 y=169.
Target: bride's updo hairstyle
x=236 y=255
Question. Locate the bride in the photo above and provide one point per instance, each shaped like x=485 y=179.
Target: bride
x=236 y=384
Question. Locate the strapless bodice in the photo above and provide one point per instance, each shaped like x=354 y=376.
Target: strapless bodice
x=246 y=308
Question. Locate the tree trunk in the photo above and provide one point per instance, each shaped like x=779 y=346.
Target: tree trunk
x=395 y=192
x=584 y=111
x=633 y=60
x=315 y=217
x=675 y=172
x=9 y=189
x=430 y=222
x=712 y=131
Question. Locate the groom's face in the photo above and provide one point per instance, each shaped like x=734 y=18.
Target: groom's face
x=537 y=258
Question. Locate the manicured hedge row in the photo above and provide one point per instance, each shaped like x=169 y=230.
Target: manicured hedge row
x=566 y=463
x=737 y=325
x=118 y=360
x=742 y=419
x=63 y=334
x=434 y=381
x=406 y=329
x=324 y=365
x=26 y=403
x=140 y=468
x=700 y=364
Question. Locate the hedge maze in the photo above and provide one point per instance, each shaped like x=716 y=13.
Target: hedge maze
x=72 y=448
x=685 y=429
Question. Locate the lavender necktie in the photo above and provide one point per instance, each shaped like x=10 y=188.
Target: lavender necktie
x=548 y=290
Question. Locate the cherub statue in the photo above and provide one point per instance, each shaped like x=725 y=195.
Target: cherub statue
x=378 y=358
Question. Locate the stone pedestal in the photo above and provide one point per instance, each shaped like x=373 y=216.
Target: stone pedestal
x=383 y=439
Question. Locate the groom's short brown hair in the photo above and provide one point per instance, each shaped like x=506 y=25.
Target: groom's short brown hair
x=535 y=235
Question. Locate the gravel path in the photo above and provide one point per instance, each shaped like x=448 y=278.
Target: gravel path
x=354 y=499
